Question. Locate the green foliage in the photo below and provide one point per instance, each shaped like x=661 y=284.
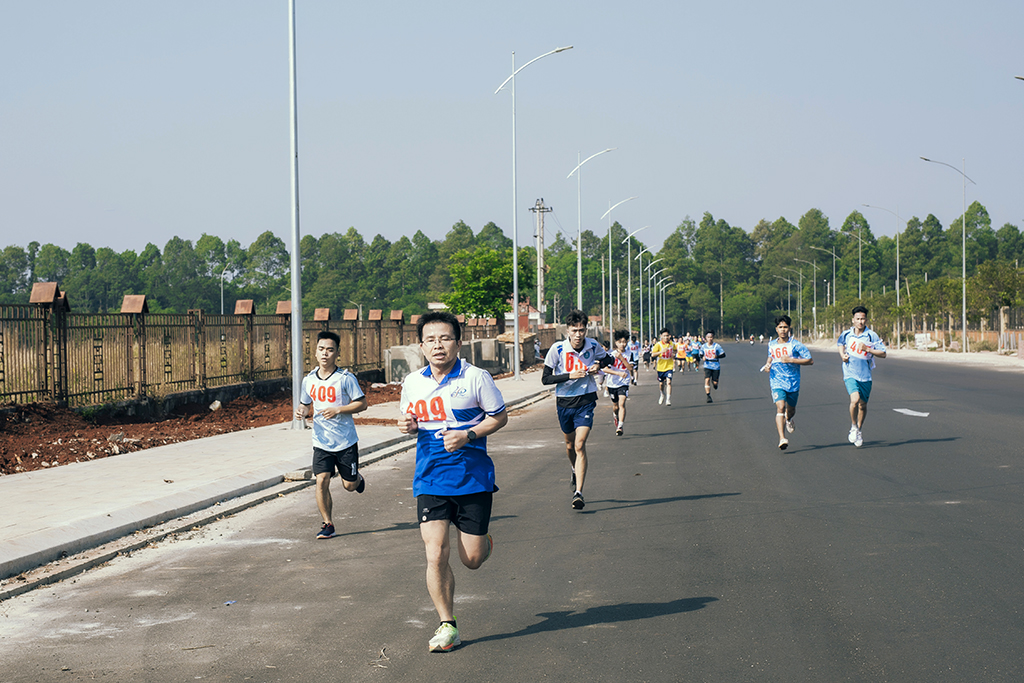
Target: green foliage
x=482 y=282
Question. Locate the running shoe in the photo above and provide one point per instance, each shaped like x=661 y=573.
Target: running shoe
x=577 y=501
x=710 y=400
x=852 y=436
x=661 y=398
x=606 y=393
x=326 y=530
x=668 y=401
x=362 y=484
x=783 y=444
x=789 y=426
x=572 y=479
x=859 y=441
x=446 y=638
x=618 y=431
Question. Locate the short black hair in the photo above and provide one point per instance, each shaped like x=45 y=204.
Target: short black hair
x=707 y=332
x=784 y=319
x=333 y=336
x=663 y=330
x=439 y=317
x=576 y=317
x=859 y=309
x=621 y=334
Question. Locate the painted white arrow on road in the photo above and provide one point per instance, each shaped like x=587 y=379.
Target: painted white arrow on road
x=911 y=413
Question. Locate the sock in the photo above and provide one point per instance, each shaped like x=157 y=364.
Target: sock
x=452 y=622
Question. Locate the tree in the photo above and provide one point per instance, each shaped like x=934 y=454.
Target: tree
x=13 y=275
x=482 y=282
x=266 y=269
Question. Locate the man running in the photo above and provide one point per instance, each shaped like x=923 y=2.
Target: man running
x=665 y=351
x=858 y=347
x=571 y=365
x=711 y=351
x=452 y=406
x=618 y=387
x=332 y=395
x=785 y=356
x=633 y=353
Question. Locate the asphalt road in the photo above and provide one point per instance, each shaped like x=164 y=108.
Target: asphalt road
x=704 y=554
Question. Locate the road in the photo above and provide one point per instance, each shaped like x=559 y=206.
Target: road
x=704 y=554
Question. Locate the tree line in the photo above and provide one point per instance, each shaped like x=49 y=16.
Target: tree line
x=723 y=277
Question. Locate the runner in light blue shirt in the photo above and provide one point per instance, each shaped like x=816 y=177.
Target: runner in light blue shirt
x=785 y=356
x=858 y=347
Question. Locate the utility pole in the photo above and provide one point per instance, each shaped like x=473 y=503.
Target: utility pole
x=539 y=209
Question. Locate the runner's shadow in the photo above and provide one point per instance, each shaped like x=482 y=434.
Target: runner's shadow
x=398 y=526
x=606 y=614
x=685 y=431
x=873 y=444
x=626 y=504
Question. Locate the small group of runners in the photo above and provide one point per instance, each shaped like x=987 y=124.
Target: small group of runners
x=452 y=407
x=687 y=351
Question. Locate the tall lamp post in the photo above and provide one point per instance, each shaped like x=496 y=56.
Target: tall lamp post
x=899 y=226
x=579 y=225
x=662 y=286
x=296 y=276
x=611 y=341
x=640 y=326
x=515 y=231
x=963 y=248
x=814 y=308
x=651 y=302
x=629 y=278
x=800 y=300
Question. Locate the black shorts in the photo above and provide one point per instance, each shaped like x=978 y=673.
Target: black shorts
x=471 y=513
x=713 y=374
x=615 y=392
x=346 y=462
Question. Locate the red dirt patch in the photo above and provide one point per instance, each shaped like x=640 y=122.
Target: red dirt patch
x=39 y=435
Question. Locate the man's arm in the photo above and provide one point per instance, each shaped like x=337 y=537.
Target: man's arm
x=454 y=439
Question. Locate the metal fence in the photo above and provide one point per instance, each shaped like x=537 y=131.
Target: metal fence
x=83 y=359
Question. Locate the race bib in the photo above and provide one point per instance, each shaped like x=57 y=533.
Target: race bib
x=782 y=351
x=857 y=348
x=573 y=361
x=709 y=354
x=437 y=408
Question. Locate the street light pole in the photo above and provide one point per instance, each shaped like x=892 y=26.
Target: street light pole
x=899 y=224
x=579 y=225
x=814 y=307
x=296 y=275
x=800 y=300
x=641 y=289
x=963 y=248
x=629 y=278
x=611 y=341
x=651 y=319
x=515 y=231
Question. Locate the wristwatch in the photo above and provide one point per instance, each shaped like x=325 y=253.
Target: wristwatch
x=471 y=434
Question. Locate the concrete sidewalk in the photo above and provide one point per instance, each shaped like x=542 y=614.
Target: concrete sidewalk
x=51 y=513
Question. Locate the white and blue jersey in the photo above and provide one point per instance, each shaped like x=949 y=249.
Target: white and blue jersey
x=633 y=352
x=460 y=401
x=783 y=375
x=710 y=353
x=562 y=358
x=861 y=362
x=622 y=364
x=339 y=389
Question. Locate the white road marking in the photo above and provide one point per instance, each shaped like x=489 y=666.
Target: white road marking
x=911 y=413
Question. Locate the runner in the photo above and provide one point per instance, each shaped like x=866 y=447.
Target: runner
x=785 y=356
x=570 y=365
x=693 y=354
x=452 y=406
x=647 y=355
x=332 y=395
x=633 y=353
x=681 y=348
x=618 y=387
x=665 y=352
x=858 y=347
x=711 y=351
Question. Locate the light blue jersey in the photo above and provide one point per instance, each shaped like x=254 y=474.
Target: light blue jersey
x=781 y=375
x=339 y=389
x=562 y=359
x=710 y=353
x=861 y=362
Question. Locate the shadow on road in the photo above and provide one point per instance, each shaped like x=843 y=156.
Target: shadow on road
x=607 y=614
x=625 y=504
x=867 y=444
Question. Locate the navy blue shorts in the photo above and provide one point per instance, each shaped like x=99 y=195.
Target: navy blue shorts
x=571 y=418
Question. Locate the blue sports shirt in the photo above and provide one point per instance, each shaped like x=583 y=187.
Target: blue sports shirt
x=785 y=376
x=460 y=401
x=711 y=353
x=861 y=362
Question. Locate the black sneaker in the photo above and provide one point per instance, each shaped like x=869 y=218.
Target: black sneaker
x=362 y=484
x=577 y=501
x=572 y=480
x=326 y=530
x=709 y=399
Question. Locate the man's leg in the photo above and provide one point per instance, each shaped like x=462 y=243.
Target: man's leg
x=862 y=412
x=780 y=420
x=440 y=579
x=474 y=550
x=622 y=411
x=323 y=496
x=854 y=409
x=580 y=450
x=668 y=390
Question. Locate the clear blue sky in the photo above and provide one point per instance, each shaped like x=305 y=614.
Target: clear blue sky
x=128 y=122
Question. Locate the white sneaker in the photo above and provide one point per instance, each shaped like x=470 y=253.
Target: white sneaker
x=668 y=402
x=859 y=441
x=852 y=436
x=783 y=444
x=606 y=393
x=661 y=399
x=789 y=426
